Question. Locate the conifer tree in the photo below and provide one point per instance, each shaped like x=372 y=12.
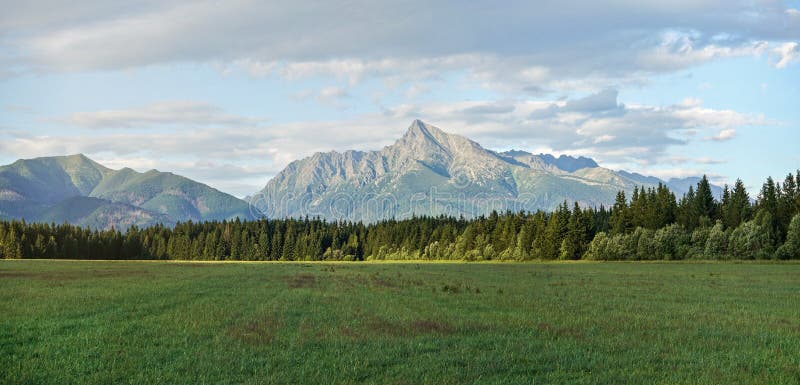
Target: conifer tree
x=687 y=210
x=705 y=205
x=768 y=202
x=620 y=218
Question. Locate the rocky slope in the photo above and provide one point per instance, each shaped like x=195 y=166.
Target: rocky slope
x=430 y=172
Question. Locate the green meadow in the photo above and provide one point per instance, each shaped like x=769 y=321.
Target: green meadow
x=101 y=322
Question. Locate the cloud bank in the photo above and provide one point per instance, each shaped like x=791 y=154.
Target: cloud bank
x=520 y=43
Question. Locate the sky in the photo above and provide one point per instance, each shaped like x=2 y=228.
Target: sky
x=228 y=93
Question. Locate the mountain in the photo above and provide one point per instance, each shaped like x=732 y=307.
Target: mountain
x=100 y=214
x=430 y=172
x=80 y=191
x=678 y=185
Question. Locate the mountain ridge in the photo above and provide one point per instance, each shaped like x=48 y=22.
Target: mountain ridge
x=78 y=190
x=426 y=171
x=452 y=174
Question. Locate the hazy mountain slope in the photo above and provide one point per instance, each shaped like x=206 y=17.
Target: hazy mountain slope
x=681 y=186
x=58 y=189
x=173 y=195
x=29 y=186
x=101 y=214
x=430 y=172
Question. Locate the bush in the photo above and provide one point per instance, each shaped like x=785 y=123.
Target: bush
x=671 y=242
x=791 y=248
x=645 y=245
x=750 y=240
x=717 y=243
x=599 y=248
x=699 y=240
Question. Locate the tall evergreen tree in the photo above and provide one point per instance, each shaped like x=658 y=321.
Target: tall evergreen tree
x=620 y=218
x=705 y=205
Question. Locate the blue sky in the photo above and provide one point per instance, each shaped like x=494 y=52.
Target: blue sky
x=229 y=95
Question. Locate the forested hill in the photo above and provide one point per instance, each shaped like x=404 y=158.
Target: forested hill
x=652 y=224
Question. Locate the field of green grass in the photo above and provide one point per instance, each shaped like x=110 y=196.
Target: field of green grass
x=71 y=322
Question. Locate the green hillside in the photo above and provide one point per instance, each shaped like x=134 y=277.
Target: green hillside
x=52 y=179
x=100 y=213
x=170 y=194
x=77 y=190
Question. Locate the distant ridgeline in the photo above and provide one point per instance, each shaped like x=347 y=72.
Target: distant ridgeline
x=425 y=172
x=429 y=171
x=652 y=225
x=80 y=191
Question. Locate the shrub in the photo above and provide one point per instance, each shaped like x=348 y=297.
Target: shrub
x=717 y=243
x=699 y=240
x=750 y=240
x=671 y=242
x=598 y=247
x=645 y=245
x=791 y=248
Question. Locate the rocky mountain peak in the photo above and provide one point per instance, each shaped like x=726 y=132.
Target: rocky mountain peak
x=433 y=172
x=424 y=135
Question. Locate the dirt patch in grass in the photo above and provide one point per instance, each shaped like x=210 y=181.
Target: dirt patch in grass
x=14 y=274
x=196 y=264
x=259 y=331
x=559 y=331
x=428 y=326
x=383 y=327
x=378 y=281
x=784 y=324
x=71 y=275
x=383 y=282
x=350 y=333
x=301 y=281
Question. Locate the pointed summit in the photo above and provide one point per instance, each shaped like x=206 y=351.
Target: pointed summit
x=423 y=138
x=417 y=125
x=421 y=132
x=418 y=128
x=434 y=172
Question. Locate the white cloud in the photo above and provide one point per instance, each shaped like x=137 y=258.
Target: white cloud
x=723 y=135
x=180 y=113
x=604 y=138
x=680 y=50
x=511 y=45
x=330 y=96
x=333 y=96
x=675 y=160
x=786 y=53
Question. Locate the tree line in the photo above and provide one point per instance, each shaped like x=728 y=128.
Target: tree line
x=651 y=224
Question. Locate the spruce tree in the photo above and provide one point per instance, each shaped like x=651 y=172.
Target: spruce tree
x=576 y=239
x=620 y=218
x=768 y=202
x=739 y=210
x=705 y=205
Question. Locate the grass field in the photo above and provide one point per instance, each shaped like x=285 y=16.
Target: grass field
x=73 y=322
